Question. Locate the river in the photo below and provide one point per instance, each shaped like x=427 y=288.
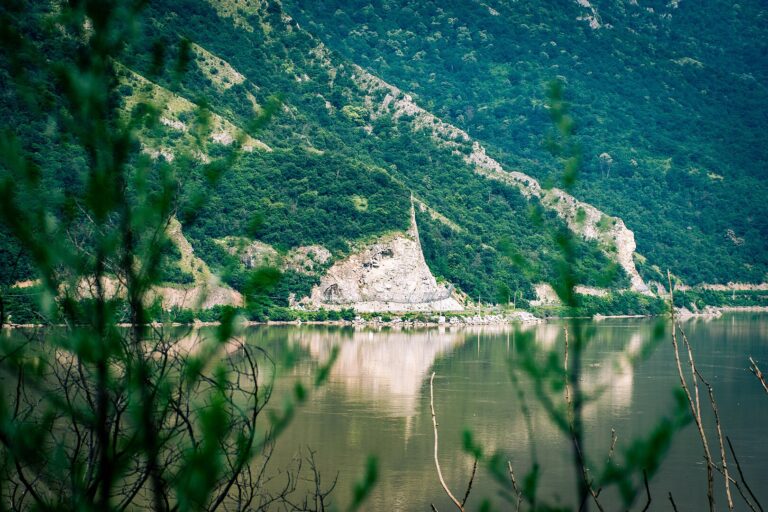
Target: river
x=377 y=402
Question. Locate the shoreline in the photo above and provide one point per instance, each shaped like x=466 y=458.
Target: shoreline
x=521 y=318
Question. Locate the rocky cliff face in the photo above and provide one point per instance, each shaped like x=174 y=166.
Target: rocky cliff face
x=388 y=275
x=610 y=233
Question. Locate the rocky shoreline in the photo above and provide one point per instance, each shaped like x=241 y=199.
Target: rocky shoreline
x=517 y=317
x=706 y=312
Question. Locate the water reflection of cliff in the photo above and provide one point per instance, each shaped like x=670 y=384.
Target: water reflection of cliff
x=388 y=368
x=609 y=364
x=378 y=401
x=385 y=367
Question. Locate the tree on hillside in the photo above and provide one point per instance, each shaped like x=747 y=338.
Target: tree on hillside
x=95 y=415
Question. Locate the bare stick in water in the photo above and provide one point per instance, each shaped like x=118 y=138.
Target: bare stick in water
x=741 y=475
x=695 y=410
x=754 y=369
x=647 y=491
x=469 y=485
x=672 y=501
x=614 y=438
x=437 y=461
x=518 y=492
x=719 y=434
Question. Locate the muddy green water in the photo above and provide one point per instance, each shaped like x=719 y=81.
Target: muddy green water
x=377 y=402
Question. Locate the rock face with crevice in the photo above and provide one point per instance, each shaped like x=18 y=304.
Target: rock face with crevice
x=388 y=275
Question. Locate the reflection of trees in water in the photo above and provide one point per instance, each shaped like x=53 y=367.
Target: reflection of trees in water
x=377 y=401
x=224 y=384
x=388 y=368
x=497 y=420
x=610 y=371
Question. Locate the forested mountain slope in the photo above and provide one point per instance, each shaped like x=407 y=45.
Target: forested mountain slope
x=669 y=98
x=322 y=172
x=335 y=168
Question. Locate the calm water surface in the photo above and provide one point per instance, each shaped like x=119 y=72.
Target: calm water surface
x=377 y=402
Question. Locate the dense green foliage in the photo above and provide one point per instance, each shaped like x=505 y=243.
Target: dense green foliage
x=327 y=180
x=335 y=177
x=673 y=93
x=170 y=270
x=97 y=415
x=305 y=190
x=697 y=298
x=615 y=303
x=301 y=199
x=113 y=417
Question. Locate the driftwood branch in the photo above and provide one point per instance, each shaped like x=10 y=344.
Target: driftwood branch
x=437 y=461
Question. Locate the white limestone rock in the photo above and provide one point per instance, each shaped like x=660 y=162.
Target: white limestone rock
x=388 y=275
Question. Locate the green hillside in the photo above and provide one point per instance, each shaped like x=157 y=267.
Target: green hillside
x=673 y=93
x=323 y=176
x=334 y=169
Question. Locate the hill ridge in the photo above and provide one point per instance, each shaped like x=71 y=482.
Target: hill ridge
x=616 y=241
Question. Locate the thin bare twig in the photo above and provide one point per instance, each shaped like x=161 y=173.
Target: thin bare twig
x=469 y=485
x=741 y=474
x=647 y=491
x=614 y=438
x=518 y=492
x=756 y=371
x=437 y=461
x=738 y=488
x=719 y=434
x=695 y=410
x=672 y=501
x=567 y=385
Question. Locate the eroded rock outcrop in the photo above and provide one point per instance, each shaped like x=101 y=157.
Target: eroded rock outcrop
x=545 y=295
x=389 y=275
x=307 y=259
x=610 y=233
